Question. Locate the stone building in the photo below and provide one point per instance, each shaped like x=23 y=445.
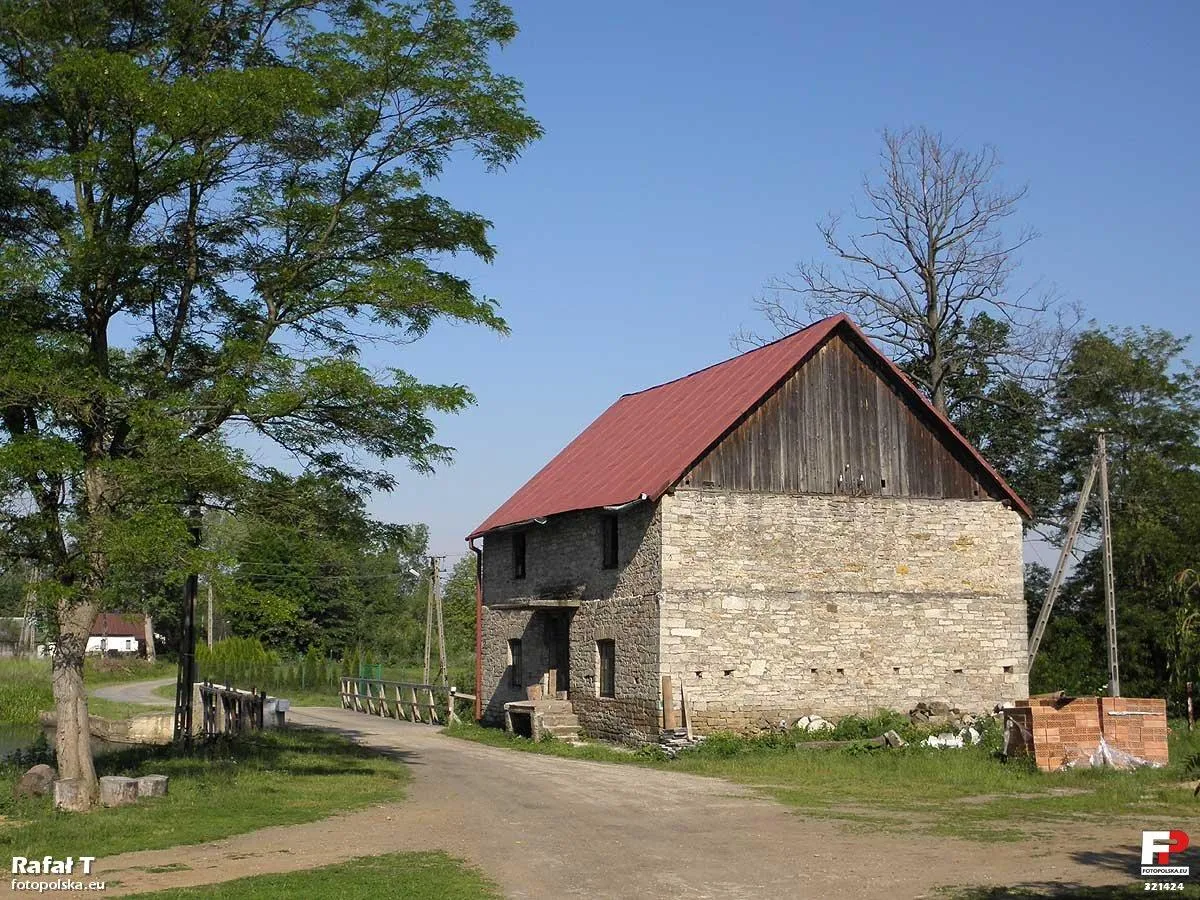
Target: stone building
x=794 y=530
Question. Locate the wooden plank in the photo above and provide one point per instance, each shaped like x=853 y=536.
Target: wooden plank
x=433 y=713
x=668 y=704
x=687 y=715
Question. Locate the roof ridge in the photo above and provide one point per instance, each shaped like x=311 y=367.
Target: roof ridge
x=737 y=356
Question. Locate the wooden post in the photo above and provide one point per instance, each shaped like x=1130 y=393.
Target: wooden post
x=687 y=716
x=668 y=701
x=433 y=716
x=552 y=684
x=416 y=710
x=1191 y=717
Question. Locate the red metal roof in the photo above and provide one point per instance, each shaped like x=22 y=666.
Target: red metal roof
x=646 y=441
x=116 y=625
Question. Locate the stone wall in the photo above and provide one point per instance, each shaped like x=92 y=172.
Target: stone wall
x=777 y=605
x=563 y=563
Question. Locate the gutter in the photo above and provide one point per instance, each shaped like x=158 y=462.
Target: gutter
x=620 y=506
x=478 y=628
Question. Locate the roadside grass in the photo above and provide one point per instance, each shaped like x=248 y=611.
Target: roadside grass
x=116 y=670
x=968 y=793
x=222 y=788
x=1062 y=892
x=25 y=689
x=422 y=876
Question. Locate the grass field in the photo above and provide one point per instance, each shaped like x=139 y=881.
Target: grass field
x=964 y=793
x=1124 y=892
x=25 y=689
x=273 y=778
x=420 y=876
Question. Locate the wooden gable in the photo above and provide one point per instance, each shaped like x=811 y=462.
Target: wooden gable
x=843 y=424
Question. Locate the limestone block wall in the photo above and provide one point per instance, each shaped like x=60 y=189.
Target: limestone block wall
x=777 y=605
x=563 y=558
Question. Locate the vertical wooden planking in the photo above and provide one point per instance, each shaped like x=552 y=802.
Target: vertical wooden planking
x=841 y=408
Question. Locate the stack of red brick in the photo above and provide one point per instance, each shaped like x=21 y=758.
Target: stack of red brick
x=1057 y=731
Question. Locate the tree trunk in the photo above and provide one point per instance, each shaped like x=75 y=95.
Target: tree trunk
x=150 y=639
x=73 y=739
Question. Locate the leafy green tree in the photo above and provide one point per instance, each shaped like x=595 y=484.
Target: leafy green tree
x=210 y=209
x=1137 y=386
x=312 y=570
x=458 y=602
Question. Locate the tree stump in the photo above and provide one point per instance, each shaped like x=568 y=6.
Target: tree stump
x=69 y=794
x=117 y=790
x=152 y=786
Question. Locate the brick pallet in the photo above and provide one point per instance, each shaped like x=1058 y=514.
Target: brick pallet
x=1062 y=731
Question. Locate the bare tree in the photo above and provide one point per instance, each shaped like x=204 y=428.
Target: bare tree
x=925 y=271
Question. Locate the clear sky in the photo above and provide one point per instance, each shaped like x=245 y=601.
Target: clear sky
x=690 y=148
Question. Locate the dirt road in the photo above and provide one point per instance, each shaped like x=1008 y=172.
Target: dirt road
x=545 y=827
x=141 y=692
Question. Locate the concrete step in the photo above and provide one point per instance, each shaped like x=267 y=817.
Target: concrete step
x=560 y=719
x=555 y=706
x=563 y=732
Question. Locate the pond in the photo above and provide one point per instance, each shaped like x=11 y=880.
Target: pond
x=17 y=737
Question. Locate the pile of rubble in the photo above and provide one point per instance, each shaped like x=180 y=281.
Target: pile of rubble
x=676 y=739
x=959 y=726
x=937 y=714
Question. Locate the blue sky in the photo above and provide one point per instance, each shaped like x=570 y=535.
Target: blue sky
x=690 y=148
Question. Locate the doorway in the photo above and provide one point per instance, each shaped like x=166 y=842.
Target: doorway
x=558 y=646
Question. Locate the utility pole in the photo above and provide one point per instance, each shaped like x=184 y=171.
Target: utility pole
x=208 y=624
x=1110 y=602
x=187 y=644
x=1060 y=570
x=1099 y=467
x=433 y=609
x=429 y=616
x=27 y=642
x=435 y=569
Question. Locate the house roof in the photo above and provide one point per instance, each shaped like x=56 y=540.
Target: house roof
x=646 y=441
x=116 y=625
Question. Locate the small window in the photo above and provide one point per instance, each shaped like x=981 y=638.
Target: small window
x=608 y=668
x=128 y=644
x=514 y=664
x=608 y=541
x=518 y=542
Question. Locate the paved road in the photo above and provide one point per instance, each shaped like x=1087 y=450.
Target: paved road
x=141 y=692
x=545 y=827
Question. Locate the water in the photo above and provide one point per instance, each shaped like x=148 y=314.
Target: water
x=17 y=737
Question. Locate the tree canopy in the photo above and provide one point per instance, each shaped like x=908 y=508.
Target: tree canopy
x=209 y=211
x=1138 y=387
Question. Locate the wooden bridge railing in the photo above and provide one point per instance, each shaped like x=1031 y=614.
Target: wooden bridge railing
x=226 y=710
x=405 y=700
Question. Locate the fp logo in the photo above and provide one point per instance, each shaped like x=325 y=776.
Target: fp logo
x=1157 y=849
